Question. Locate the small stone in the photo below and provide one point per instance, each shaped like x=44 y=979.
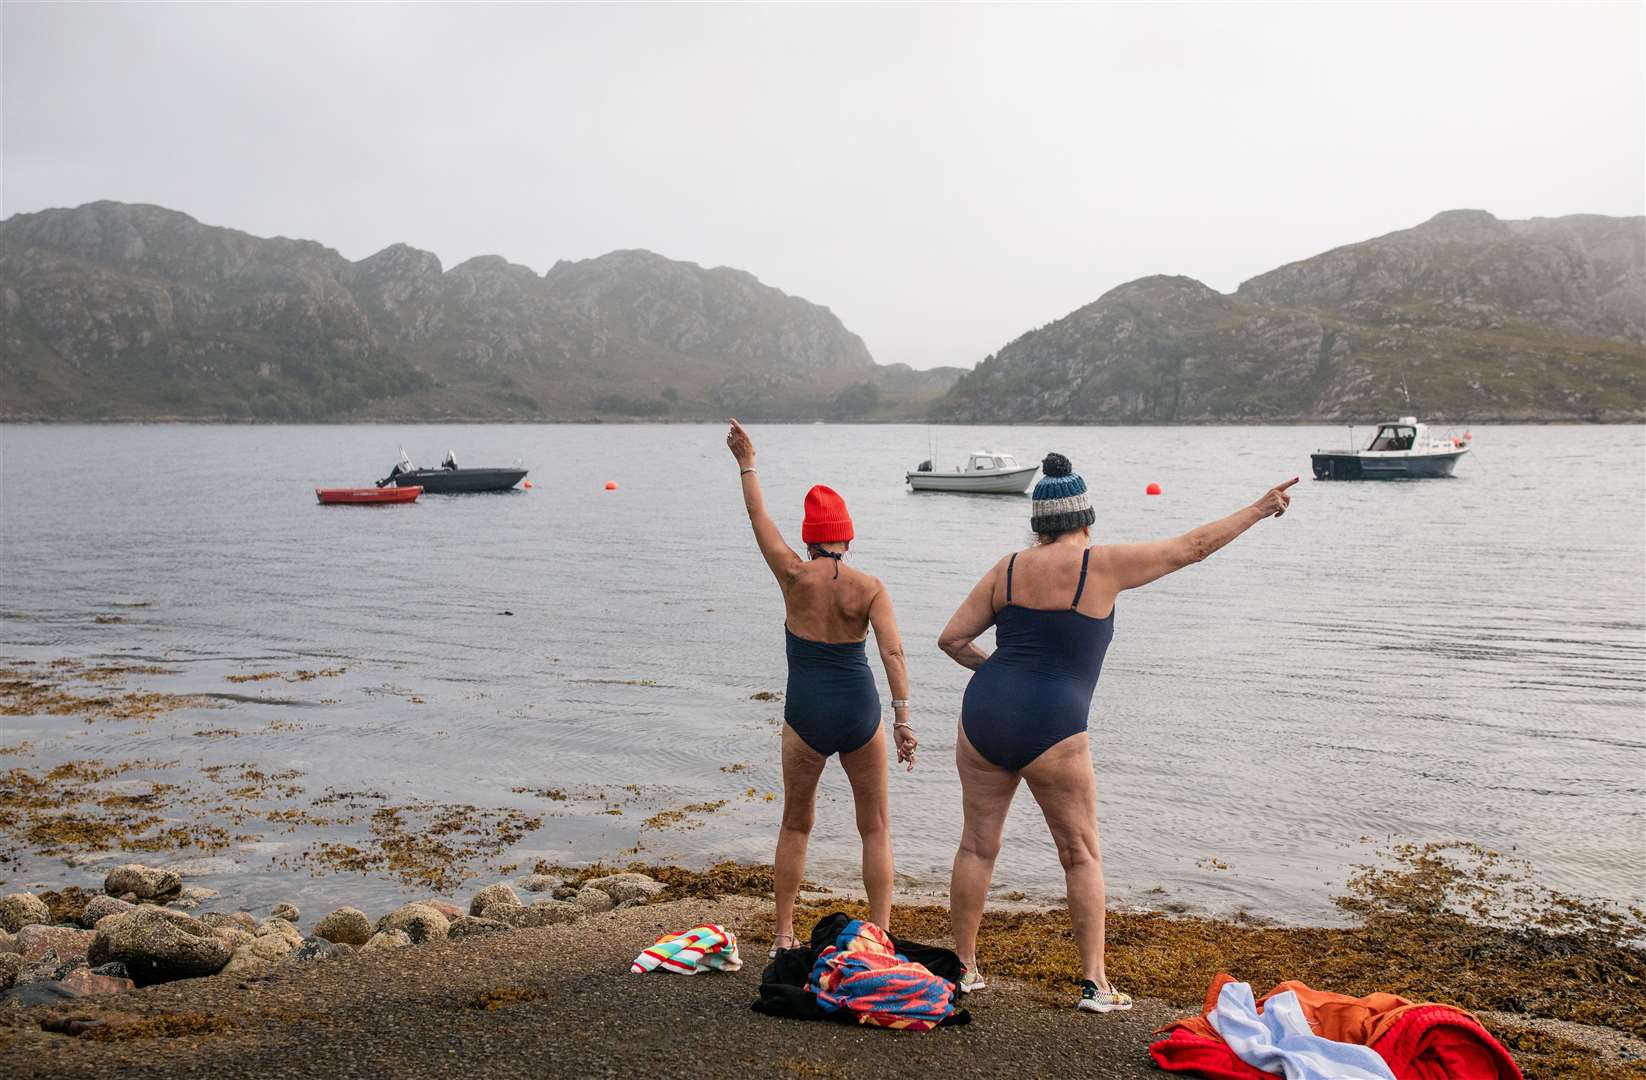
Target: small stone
x=501 y=893
x=345 y=926
x=23 y=909
x=101 y=908
x=84 y=983
x=158 y=945
x=258 y=954
x=445 y=907
x=420 y=922
x=192 y=896
x=566 y=892
x=35 y=942
x=621 y=887
x=280 y=928
x=541 y=913
x=11 y=966
x=387 y=939
x=465 y=926
x=144 y=882
x=284 y=911
x=318 y=948
x=238 y=920
x=540 y=883
x=593 y=900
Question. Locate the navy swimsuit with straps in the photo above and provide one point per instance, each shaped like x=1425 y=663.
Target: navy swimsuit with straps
x=831 y=701
x=1035 y=690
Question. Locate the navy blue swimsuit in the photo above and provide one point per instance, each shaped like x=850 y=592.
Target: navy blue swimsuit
x=1035 y=690
x=831 y=701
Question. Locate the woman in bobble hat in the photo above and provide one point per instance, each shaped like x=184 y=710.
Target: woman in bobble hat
x=831 y=706
x=1024 y=713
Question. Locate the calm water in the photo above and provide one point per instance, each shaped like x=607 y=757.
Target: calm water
x=1433 y=660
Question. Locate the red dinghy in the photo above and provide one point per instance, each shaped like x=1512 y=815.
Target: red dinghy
x=371 y=496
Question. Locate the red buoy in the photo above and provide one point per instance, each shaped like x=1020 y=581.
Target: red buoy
x=611 y=485
x=525 y=483
x=1152 y=489
x=1468 y=436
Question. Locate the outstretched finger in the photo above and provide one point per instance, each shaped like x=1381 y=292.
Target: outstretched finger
x=1277 y=487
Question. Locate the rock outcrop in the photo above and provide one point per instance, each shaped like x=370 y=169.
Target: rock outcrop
x=1473 y=317
x=158 y=945
x=345 y=926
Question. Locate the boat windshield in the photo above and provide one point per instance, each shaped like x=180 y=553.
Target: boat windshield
x=1006 y=461
x=982 y=461
x=1394 y=437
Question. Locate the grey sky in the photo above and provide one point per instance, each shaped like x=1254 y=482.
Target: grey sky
x=943 y=177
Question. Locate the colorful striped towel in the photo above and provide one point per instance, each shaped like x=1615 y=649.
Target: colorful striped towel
x=702 y=948
x=863 y=973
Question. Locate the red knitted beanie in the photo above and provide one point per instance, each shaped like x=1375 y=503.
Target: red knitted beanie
x=826 y=518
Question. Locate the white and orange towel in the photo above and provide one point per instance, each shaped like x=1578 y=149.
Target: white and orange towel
x=702 y=948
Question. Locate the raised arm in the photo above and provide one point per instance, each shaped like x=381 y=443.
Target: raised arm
x=974 y=615
x=1132 y=565
x=890 y=644
x=779 y=556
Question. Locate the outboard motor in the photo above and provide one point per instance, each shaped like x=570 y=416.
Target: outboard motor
x=451 y=460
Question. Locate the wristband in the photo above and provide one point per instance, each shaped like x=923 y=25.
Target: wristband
x=900 y=703
x=750 y=469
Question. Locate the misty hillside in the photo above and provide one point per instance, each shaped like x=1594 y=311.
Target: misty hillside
x=122 y=310
x=1478 y=318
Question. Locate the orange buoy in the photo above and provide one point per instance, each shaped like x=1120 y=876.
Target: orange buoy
x=1152 y=489
x=611 y=485
x=525 y=483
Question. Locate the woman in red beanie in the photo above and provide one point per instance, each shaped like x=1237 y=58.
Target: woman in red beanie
x=831 y=706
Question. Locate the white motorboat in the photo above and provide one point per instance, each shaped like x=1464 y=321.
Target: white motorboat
x=986 y=472
x=1402 y=449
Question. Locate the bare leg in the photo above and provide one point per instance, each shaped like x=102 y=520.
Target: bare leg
x=986 y=794
x=801 y=768
x=1062 y=783
x=866 y=769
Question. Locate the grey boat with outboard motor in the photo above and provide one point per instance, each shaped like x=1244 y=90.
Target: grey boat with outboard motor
x=450 y=479
x=1401 y=450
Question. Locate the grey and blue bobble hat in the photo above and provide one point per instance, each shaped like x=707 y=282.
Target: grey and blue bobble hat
x=1060 y=499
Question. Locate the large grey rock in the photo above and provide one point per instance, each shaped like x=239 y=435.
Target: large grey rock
x=158 y=945
x=387 y=939
x=23 y=909
x=593 y=900
x=419 y=922
x=465 y=926
x=144 y=882
x=100 y=908
x=501 y=893
x=345 y=926
x=284 y=911
x=621 y=887
x=68 y=943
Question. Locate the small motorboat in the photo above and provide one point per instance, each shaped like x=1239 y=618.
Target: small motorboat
x=986 y=472
x=449 y=479
x=1402 y=449
x=372 y=496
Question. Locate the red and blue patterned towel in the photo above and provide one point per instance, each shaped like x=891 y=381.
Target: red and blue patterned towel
x=863 y=973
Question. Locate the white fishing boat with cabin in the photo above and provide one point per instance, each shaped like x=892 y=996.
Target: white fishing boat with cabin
x=986 y=472
x=1401 y=450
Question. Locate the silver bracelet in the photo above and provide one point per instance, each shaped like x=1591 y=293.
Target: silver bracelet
x=750 y=469
x=902 y=723
x=900 y=703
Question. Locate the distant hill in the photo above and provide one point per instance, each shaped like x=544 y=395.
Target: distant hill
x=1478 y=318
x=120 y=310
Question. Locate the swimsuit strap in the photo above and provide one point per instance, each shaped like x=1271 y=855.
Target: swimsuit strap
x=1084 y=559
x=1009 y=564
x=835 y=555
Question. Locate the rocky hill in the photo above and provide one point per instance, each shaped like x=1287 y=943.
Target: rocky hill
x=1475 y=317
x=121 y=310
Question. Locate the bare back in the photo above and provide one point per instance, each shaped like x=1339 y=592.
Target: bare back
x=1048 y=577
x=822 y=607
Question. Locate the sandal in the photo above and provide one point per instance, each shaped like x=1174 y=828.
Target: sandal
x=778 y=946
x=971 y=982
x=1101 y=1001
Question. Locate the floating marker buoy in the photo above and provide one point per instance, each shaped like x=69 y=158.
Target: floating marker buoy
x=1468 y=436
x=1152 y=489
x=525 y=483
x=611 y=485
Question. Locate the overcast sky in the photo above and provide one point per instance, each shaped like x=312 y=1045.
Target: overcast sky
x=942 y=177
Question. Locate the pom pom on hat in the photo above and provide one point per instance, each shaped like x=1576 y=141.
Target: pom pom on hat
x=1055 y=464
